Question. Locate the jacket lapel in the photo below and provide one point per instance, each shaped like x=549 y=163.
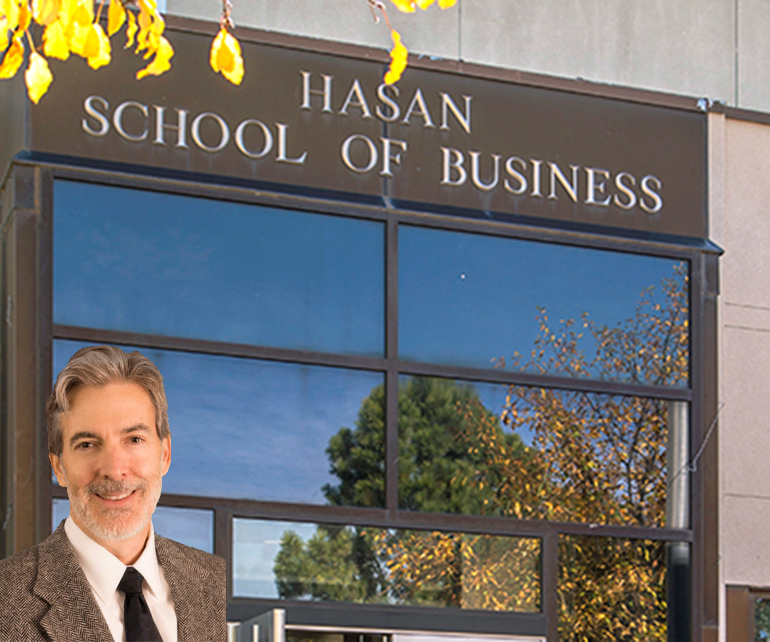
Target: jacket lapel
x=73 y=611
x=186 y=590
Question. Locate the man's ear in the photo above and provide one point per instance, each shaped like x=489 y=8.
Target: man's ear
x=58 y=469
x=165 y=455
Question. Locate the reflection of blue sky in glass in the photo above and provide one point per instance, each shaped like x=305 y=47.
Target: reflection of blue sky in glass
x=250 y=429
x=189 y=526
x=467 y=299
x=255 y=545
x=156 y=263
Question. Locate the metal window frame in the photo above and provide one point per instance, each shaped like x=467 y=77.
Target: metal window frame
x=701 y=394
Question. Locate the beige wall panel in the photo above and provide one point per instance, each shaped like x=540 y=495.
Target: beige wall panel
x=746 y=224
x=753 y=54
x=684 y=47
x=742 y=228
x=433 y=32
x=746 y=534
x=745 y=418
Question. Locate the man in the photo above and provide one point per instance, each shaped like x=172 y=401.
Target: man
x=104 y=575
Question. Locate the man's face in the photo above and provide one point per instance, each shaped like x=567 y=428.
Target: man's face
x=112 y=460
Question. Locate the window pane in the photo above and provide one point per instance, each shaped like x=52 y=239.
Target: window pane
x=534 y=453
x=251 y=429
x=189 y=526
x=173 y=265
x=473 y=300
x=381 y=566
x=761 y=619
x=612 y=589
x=61 y=510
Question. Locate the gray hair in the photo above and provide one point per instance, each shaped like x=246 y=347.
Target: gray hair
x=96 y=366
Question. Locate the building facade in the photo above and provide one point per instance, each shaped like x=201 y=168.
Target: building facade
x=479 y=355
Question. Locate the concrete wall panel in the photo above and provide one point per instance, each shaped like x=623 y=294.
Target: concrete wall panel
x=745 y=418
x=753 y=54
x=433 y=32
x=744 y=232
x=684 y=47
x=746 y=225
x=747 y=540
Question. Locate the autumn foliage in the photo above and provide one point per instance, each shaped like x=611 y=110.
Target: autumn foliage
x=75 y=27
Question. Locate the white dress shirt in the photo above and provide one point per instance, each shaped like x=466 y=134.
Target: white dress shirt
x=104 y=571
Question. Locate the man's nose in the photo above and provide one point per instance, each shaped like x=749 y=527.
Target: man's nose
x=114 y=462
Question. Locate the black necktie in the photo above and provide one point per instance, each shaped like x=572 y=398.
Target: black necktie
x=136 y=614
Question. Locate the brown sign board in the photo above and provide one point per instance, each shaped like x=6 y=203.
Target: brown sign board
x=437 y=140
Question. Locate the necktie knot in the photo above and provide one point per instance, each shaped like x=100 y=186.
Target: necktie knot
x=131 y=582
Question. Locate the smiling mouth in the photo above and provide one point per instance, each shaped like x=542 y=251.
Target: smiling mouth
x=115 y=499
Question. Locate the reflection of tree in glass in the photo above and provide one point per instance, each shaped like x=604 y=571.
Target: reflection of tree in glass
x=595 y=458
x=374 y=565
x=762 y=619
x=600 y=459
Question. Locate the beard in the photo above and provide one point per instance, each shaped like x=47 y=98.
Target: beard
x=118 y=523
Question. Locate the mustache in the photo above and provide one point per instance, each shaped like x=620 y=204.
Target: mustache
x=110 y=487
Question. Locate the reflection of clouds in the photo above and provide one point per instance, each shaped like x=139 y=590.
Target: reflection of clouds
x=255 y=546
x=250 y=429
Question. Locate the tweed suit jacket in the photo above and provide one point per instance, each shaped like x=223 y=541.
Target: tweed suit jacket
x=45 y=596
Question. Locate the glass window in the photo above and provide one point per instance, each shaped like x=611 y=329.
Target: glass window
x=532 y=453
x=173 y=265
x=251 y=429
x=612 y=589
x=189 y=526
x=473 y=300
x=384 y=566
x=761 y=619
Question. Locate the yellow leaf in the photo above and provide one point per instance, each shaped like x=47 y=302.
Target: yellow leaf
x=67 y=11
x=12 y=59
x=116 y=16
x=424 y=4
x=103 y=53
x=407 y=6
x=151 y=26
x=83 y=14
x=77 y=36
x=55 y=42
x=91 y=42
x=161 y=63
x=10 y=9
x=38 y=77
x=445 y=4
x=130 y=30
x=45 y=12
x=25 y=17
x=226 y=57
x=398 y=56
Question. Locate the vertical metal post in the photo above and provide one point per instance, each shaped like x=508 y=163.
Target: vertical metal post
x=678 y=566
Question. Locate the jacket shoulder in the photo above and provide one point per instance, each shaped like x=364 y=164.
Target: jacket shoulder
x=198 y=585
x=20 y=608
x=205 y=561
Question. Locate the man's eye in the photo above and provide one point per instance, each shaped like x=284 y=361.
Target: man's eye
x=137 y=440
x=83 y=445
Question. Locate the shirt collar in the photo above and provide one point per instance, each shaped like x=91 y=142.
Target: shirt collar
x=103 y=570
